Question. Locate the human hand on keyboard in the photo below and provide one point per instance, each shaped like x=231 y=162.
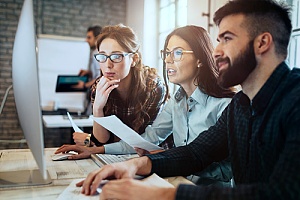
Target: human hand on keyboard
x=83 y=151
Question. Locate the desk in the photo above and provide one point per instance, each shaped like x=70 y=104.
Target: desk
x=61 y=172
x=58 y=121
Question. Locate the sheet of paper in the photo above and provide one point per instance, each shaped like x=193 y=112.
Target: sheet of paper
x=74 y=193
x=157 y=181
x=128 y=135
x=75 y=127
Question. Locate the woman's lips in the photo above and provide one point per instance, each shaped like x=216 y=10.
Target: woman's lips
x=109 y=74
x=171 y=72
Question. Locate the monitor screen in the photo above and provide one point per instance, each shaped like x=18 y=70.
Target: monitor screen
x=26 y=92
x=66 y=83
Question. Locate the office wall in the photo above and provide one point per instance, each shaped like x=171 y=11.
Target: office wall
x=54 y=17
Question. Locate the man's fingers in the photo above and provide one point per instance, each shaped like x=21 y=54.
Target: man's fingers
x=79 y=184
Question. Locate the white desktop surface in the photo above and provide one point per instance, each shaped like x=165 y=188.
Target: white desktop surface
x=62 y=173
x=58 y=121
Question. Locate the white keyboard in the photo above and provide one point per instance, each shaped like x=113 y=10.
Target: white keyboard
x=108 y=158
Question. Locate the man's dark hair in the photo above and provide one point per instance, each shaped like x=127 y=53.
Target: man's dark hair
x=261 y=16
x=96 y=30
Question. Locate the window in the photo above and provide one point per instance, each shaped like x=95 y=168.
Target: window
x=294 y=48
x=172 y=14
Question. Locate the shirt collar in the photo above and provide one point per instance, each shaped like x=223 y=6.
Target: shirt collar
x=264 y=95
x=197 y=95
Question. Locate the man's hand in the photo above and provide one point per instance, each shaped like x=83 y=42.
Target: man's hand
x=130 y=189
x=79 y=138
x=83 y=151
x=79 y=85
x=83 y=72
x=121 y=170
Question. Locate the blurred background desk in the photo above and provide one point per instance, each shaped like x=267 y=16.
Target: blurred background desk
x=62 y=173
x=58 y=129
x=59 y=121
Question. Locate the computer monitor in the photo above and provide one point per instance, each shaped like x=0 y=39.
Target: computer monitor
x=26 y=92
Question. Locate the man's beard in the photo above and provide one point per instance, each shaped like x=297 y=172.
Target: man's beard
x=237 y=72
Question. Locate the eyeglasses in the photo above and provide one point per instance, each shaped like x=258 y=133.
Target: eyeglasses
x=176 y=54
x=115 y=58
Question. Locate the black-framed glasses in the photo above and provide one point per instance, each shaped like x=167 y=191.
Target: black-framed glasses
x=176 y=54
x=115 y=57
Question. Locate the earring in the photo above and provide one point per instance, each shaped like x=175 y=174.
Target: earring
x=199 y=65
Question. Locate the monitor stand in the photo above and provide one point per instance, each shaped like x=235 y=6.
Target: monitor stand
x=23 y=178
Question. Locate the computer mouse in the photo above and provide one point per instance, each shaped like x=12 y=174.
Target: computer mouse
x=62 y=156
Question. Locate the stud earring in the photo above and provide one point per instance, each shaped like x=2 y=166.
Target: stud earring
x=199 y=65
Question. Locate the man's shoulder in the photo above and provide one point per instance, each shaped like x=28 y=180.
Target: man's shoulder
x=293 y=80
x=295 y=72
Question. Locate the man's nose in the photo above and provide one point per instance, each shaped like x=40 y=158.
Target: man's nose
x=217 y=52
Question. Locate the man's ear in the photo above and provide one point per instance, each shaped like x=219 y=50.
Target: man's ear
x=263 y=43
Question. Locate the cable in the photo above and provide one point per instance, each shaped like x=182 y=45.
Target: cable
x=4 y=98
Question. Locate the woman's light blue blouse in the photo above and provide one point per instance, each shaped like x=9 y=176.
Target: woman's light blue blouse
x=185 y=117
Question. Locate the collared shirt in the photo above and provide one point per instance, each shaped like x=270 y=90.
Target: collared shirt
x=126 y=113
x=182 y=116
x=262 y=138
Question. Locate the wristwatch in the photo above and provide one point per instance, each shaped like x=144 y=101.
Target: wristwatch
x=87 y=141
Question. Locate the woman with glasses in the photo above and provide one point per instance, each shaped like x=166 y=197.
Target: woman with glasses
x=126 y=88
x=197 y=104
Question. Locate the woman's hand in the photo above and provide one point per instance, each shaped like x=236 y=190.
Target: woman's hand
x=142 y=152
x=83 y=151
x=79 y=138
x=104 y=88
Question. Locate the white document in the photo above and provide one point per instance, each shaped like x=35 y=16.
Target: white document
x=74 y=193
x=125 y=133
x=75 y=127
